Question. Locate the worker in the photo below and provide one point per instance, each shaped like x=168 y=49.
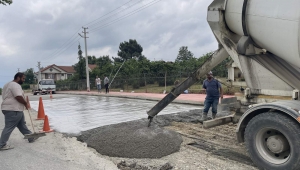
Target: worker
x=98 y=84
x=12 y=107
x=106 y=81
x=214 y=91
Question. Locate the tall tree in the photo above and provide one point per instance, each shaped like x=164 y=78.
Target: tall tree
x=5 y=2
x=184 y=54
x=80 y=66
x=92 y=59
x=29 y=76
x=129 y=50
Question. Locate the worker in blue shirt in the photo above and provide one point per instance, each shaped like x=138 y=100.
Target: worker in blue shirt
x=214 y=91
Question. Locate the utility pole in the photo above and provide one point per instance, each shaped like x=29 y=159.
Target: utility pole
x=40 y=75
x=86 y=59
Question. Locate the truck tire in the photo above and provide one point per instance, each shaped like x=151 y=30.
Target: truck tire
x=273 y=141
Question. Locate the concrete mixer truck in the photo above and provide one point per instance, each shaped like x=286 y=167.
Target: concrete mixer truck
x=263 y=39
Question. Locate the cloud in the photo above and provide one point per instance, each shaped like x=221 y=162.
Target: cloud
x=47 y=30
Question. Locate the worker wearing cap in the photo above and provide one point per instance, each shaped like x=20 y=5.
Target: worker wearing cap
x=214 y=91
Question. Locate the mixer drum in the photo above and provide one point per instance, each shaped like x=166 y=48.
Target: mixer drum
x=273 y=25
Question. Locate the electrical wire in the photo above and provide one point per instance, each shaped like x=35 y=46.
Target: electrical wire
x=125 y=16
x=109 y=12
x=97 y=23
x=71 y=40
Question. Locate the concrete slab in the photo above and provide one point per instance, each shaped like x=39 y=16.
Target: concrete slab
x=80 y=113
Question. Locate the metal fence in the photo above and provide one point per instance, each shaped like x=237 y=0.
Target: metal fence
x=141 y=82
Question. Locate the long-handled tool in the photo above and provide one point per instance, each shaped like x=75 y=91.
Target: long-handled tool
x=34 y=134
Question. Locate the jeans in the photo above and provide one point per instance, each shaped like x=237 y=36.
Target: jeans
x=211 y=102
x=99 y=86
x=13 y=119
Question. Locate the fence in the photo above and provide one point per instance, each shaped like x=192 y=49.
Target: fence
x=141 y=82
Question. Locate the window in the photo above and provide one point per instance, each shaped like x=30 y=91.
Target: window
x=69 y=76
x=62 y=75
x=47 y=82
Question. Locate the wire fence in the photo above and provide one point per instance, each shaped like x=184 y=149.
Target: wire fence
x=141 y=82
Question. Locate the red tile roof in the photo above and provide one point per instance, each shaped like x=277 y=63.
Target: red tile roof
x=92 y=66
x=68 y=69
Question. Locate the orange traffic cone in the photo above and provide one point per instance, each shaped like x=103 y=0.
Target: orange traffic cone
x=41 y=112
x=46 y=125
x=51 y=95
x=28 y=103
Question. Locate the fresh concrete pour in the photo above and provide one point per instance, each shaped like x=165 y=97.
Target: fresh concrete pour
x=75 y=114
x=135 y=140
x=117 y=132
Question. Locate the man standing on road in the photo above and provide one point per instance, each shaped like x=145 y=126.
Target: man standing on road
x=12 y=107
x=98 y=84
x=213 y=93
x=106 y=82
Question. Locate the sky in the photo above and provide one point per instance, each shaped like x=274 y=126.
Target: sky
x=47 y=30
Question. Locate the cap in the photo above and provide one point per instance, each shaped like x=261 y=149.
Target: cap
x=210 y=72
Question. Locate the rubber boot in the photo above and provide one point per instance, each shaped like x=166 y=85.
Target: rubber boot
x=204 y=118
x=213 y=115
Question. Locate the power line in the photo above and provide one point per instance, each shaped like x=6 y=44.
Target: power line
x=67 y=47
x=73 y=39
x=109 y=12
x=97 y=23
x=127 y=15
x=63 y=46
x=57 y=52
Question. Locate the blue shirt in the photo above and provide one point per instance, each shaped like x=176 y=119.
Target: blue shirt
x=212 y=88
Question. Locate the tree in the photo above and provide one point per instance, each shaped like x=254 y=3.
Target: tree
x=80 y=66
x=5 y=2
x=29 y=74
x=184 y=54
x=129 y=50
x=92 y=59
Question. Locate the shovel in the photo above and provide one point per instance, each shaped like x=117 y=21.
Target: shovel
x=34 y=134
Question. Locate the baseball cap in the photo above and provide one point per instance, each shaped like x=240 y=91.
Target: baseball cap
x=210 y=72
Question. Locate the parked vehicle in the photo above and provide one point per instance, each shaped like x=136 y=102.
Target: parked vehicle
x=44 y=86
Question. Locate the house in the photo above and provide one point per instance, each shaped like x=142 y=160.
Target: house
x=61 y=72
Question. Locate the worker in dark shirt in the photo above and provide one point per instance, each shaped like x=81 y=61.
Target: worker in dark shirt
x=214 y=91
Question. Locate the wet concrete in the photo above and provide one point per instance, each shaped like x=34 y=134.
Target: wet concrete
x=135 y=140
x=74 y=114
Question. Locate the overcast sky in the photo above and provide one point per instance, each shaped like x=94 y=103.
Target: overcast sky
x=47 y=30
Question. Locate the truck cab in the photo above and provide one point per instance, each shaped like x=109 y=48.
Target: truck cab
x=45 y=86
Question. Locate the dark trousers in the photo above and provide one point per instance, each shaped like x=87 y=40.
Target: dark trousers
x=211 y=102
x=106 y=87
x=13 y=119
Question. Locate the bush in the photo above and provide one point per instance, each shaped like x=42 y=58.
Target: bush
x=25 y=86
x=170 y=81
x=136 y=84
x=0 y=91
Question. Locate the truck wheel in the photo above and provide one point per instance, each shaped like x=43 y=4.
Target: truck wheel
x=273 y=140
